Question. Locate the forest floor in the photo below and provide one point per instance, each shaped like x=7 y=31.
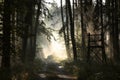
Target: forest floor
x=54 y=71
x=52 y=76
x=67 y=71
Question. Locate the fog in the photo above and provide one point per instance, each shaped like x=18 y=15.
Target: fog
x=53 y=49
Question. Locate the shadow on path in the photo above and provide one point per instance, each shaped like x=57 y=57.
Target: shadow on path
x=54 y=72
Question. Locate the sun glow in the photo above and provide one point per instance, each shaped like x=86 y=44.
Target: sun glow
x=56 y=49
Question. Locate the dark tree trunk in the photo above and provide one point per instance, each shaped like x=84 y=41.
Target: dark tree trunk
x=13 y=33
x=72 y=30
x=29 y=21
x=109 y=11
x=27 y=54
x=67 y=32
x=102 y=33
x=83 y=29
x=114 y=29
x=24 y=41
x=36 y=25
x=6 y=39
x=6 y=35
x=64 y=29
x=116 y=32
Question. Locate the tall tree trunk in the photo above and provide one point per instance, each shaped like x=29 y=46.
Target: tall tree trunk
x=6 y=39
x=29 y=21
x=82 y=28
x=102 y=34
x=115 y=31
x=13 y=34
x=64 y=29
x=72 y=30
x=67 y=31
x=25 y=39
x=37 y=24
x=27 y=55
x=6 y=35
x=108 y=2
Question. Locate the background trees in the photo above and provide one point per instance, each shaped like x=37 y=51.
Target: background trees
x=94 y=17
x=22 y=20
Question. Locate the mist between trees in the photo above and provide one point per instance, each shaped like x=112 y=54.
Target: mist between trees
x=83 y=36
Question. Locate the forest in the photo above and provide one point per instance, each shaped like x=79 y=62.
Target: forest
x=59 y=39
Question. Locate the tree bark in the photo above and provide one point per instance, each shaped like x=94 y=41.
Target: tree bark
x=67 y=32
x=116 y=32
x=36 y=25
x=6 y=40
x=102 y=33
x=83 y=30
x=6 y=35
x=72 y=30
